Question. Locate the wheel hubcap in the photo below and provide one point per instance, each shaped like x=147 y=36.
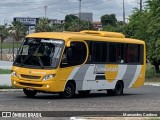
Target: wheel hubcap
x=68 y=91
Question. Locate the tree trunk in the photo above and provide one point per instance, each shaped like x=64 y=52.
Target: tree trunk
x=157 y=68
x=156 y=65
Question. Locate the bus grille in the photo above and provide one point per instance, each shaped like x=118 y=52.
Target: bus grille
x=30 y=84
x=30 y=76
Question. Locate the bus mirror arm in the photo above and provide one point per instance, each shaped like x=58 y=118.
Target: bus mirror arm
x=68 y=44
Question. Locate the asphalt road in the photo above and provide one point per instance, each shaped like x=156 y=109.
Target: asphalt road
x=141 y=99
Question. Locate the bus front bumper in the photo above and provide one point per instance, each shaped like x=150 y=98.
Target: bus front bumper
x=42 y=86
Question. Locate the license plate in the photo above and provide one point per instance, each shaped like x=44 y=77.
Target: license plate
x=31 y=89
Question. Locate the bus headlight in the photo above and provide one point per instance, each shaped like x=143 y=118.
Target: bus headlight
x=14 y=74
x=47 y=77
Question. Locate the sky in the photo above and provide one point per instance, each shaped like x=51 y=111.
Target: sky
x=57 y=9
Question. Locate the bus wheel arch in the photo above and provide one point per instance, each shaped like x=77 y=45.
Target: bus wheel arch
x=69 y=89
x=118 y=90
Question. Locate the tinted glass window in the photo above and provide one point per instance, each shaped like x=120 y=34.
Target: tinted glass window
x=96 y=50
x=120 y=53
x=112 y=52
x=74 y=55
x=132 y=53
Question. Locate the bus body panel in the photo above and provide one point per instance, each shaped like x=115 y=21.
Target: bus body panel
x=87 y=77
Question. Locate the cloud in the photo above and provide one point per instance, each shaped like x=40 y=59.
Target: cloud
x=35 y=8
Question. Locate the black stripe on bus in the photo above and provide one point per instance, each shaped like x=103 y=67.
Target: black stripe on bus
x=100 y=77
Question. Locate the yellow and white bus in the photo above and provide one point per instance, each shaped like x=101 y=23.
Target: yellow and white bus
x=71 y=62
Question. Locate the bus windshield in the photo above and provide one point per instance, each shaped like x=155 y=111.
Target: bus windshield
x=39 y=53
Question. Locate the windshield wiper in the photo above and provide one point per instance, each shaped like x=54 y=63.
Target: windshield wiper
x=40 y=62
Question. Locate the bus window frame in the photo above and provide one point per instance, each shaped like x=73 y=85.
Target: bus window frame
x=67 y=46
x=140 y=53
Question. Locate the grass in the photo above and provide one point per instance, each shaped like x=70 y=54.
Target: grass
x=5 y=71
x=9 y=45
x=153 y=79
x=151 y=75
x=149 y=66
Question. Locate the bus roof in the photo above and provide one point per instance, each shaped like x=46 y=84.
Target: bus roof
x=87 y=35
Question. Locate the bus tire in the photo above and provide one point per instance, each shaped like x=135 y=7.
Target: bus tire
x=69 y=91
x=29 y=93
x=84 y=92
x=118 y=89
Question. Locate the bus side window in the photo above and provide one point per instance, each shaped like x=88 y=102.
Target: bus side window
x=120 y=53
x=132 y=53
x=75 y=55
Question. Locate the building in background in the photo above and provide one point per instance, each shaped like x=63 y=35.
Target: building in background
x=97 y=25
x=30 y=23
x=86 y=16
x=26 y=20
x=56 y=21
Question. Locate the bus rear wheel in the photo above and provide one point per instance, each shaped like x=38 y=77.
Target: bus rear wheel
x=118 y=89
x=69 y=91
x=29 y=93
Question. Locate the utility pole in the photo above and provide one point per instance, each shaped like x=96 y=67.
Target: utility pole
x=45 y=11
x=123 y=12
x=79 y=13
x=140 y=5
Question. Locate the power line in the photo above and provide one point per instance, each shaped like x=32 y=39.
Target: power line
x=95 y=4
x=43 y=6
x=49 y=4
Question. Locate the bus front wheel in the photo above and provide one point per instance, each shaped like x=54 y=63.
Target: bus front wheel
x=29 y=93
x=118 y=89
x=69 y=91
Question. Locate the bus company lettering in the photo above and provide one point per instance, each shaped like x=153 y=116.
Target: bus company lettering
x=106 y=69
x=52 y=41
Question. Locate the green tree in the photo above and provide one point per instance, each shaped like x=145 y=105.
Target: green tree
x=43 y=25
x=73 y=23
x=77 y=25
x=86 y=25
x=153 y=32
x=58 y=27
x=145 y=25
x=137 y=26
x=118 y=28
x=3 y=35
x=109 y=19
x=18 y=32
x=70 y=18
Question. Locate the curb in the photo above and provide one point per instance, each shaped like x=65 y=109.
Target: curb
x=152 y=83
x=11 y=90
